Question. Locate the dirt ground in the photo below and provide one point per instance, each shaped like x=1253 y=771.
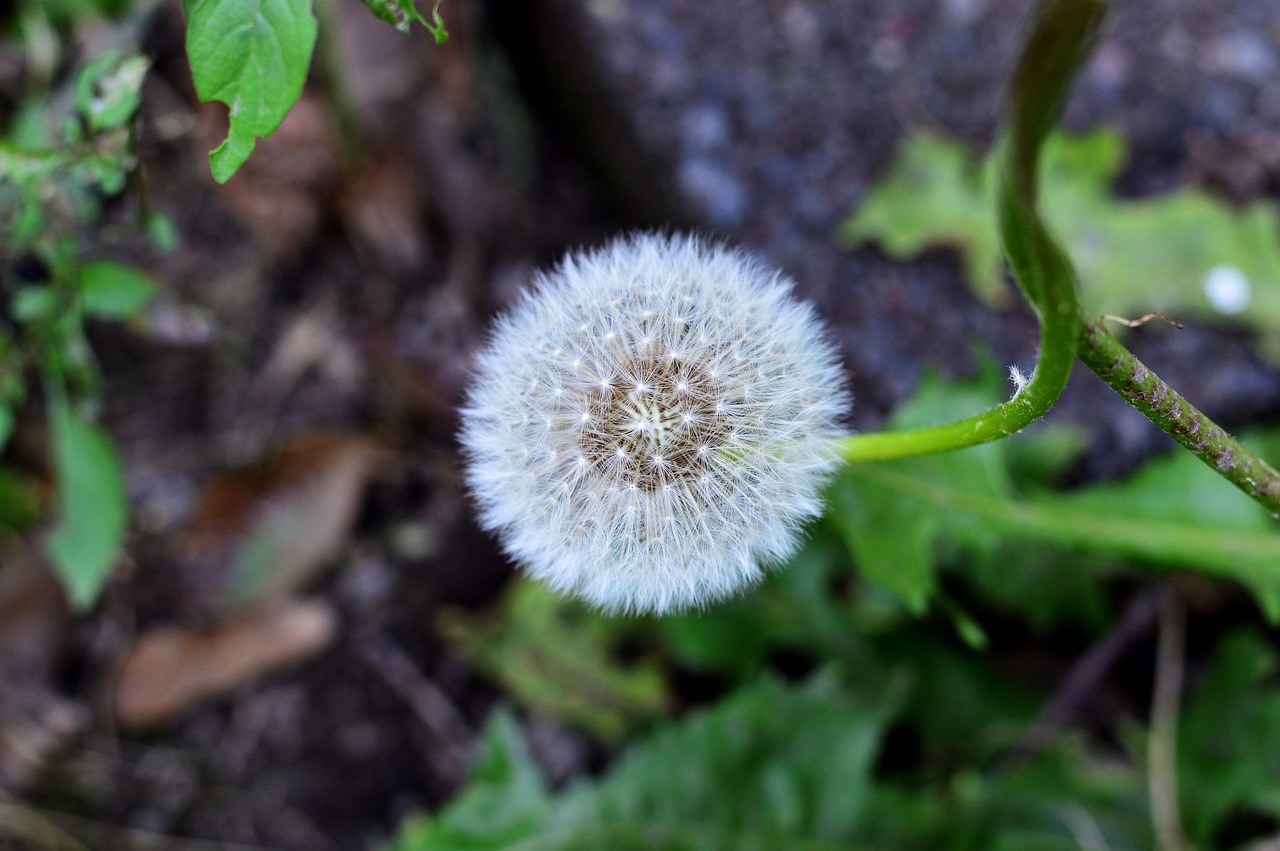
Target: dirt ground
x=297 y=379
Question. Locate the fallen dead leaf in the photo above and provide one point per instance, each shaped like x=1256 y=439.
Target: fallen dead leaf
x=170 y=669
x=278 y=525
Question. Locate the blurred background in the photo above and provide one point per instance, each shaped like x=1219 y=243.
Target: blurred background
x=306 y=637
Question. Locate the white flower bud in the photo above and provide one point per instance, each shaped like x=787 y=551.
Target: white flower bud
x=653 y=423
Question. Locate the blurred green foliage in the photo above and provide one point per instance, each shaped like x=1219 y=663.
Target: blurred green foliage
x=254 y=57
x=66 y=150
x=909 y=726
x=1133 y=255
x=553 y=654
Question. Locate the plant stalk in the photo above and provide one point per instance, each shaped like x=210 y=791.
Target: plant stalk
x=1176 y=417
x=1059 y=40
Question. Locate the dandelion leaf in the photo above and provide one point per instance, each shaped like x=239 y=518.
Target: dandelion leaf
x=1166 y=252
x=1033 y=551
x=555 y=655
x=775 y=766
x=1229 y=749
x=504 y=802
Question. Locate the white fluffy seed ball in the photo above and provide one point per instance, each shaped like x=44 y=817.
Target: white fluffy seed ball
x=652 y=424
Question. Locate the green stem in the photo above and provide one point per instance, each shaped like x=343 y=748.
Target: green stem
x=1177 y=417
x=1059 y=40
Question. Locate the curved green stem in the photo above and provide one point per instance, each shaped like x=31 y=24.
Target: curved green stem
x=1059 y=40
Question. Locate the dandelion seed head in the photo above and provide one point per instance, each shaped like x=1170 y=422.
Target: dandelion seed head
x=687 y=406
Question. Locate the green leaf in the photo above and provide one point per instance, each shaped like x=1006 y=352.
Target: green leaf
x=976 y=512
x=1179 y=252
x=252 y=55
x=934 y=194
x=773 y=767
x=32 y=303
x=162 y=232
x=399 y=13
x=894 y=543
x=1229 y=738
x=505 y=801
x=555 y=655
x=112 y=290
x=109 y=90
x=892 y=548
x=92 y=507
x=436 y=27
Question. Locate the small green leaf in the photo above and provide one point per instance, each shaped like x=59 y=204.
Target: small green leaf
x=29 y=304
x=162 y=232
x=109 y=90
x=92 y=508
x=554 y=655
x=112 y=290
x=252 y=55
x=436 y=27
x=891 y=547
x=399 y=13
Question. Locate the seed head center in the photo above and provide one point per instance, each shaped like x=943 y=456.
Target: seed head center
x=662 y=424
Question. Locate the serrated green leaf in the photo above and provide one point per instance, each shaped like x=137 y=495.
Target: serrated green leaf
x=951 y=205
x=1229 y=737
x=892 y=542
x=774 y=767
x=504 y=802
x=892 y=548
x=112 y=290
x=92 y=507
x=553 y=655
x=1132 y=255
x=253 y=56
x=1021 y=543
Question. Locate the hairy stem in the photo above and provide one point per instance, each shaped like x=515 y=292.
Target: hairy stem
x=1177 y=417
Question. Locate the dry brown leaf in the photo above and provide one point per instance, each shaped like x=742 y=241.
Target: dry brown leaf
x=277 y=526
x=171 y=669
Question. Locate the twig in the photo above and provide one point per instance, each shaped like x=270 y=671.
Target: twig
x=432 y=706
x=1162 y=769
x=1084 y=677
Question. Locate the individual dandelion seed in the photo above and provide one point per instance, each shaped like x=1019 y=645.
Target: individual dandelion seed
x=652 y=424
